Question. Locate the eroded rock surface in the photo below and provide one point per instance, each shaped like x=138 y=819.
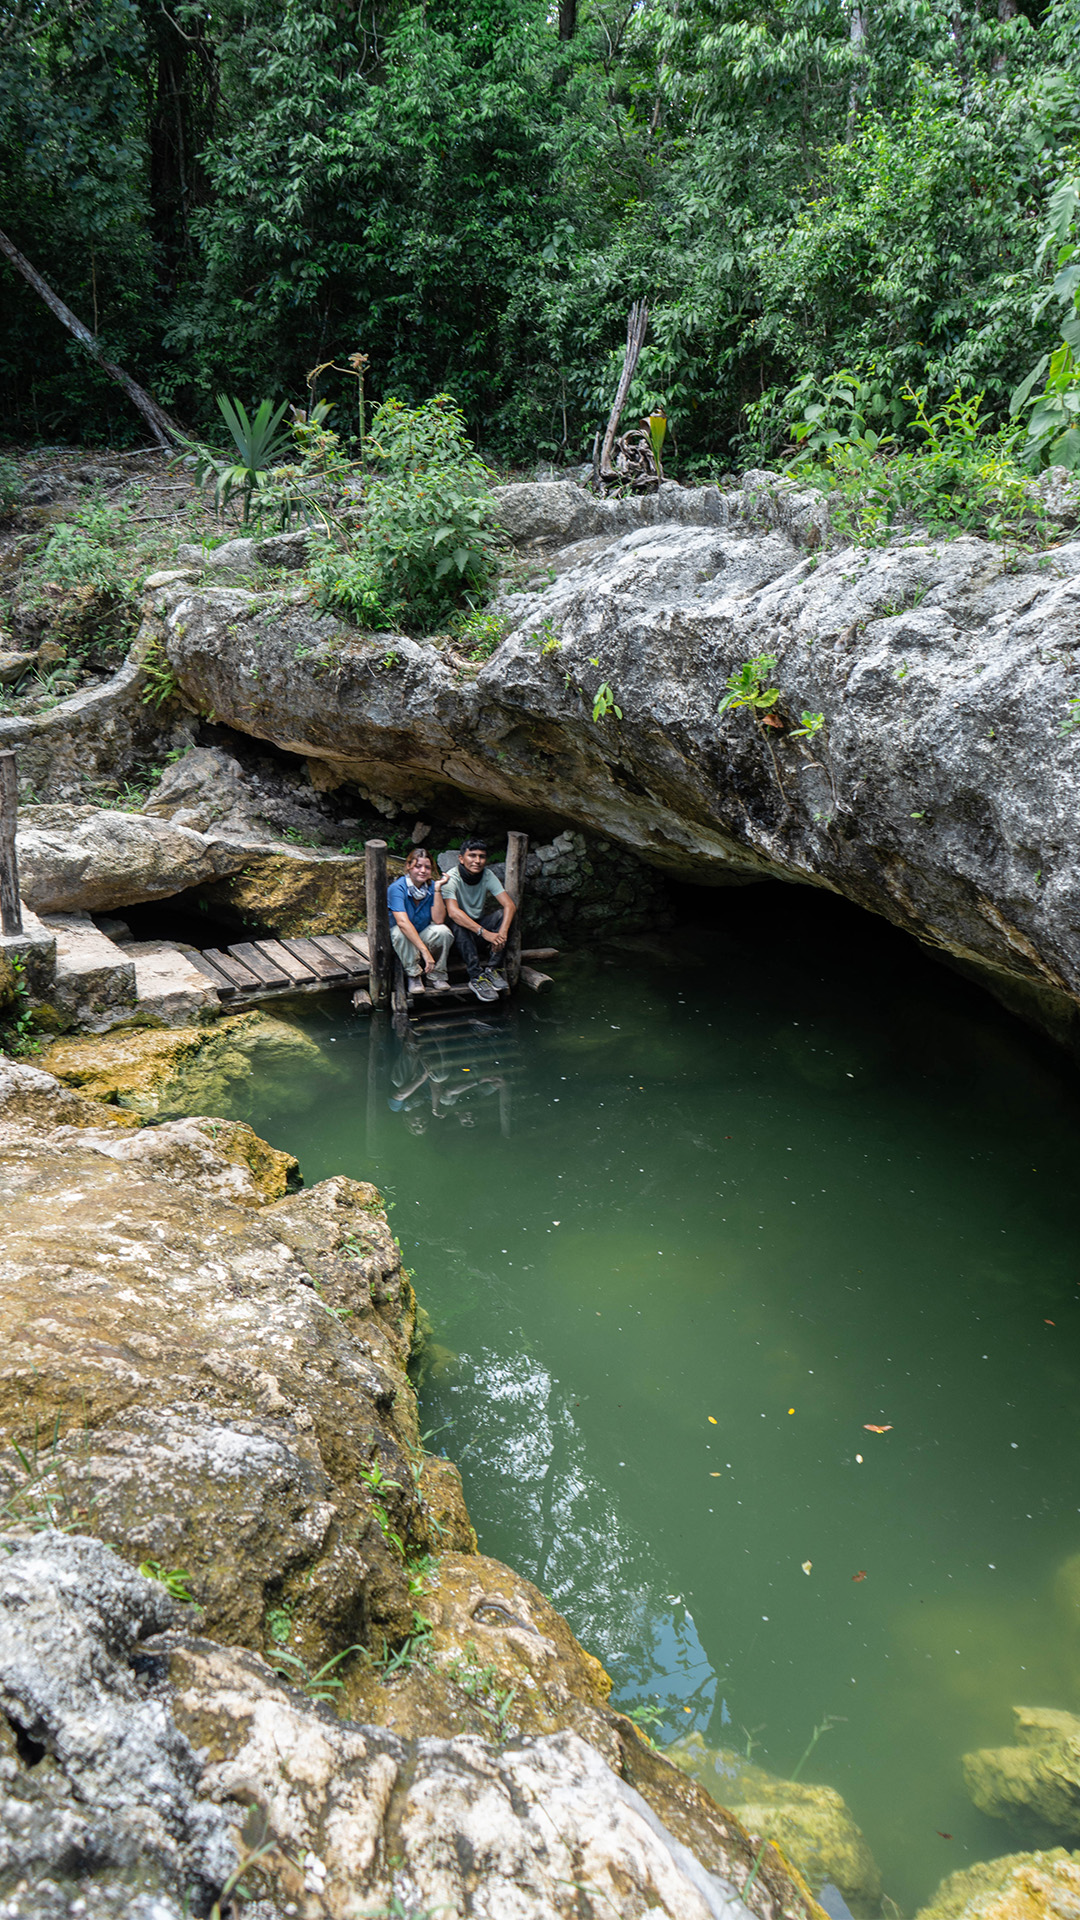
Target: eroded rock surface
x=939 y=789
x=161 y=1310
x=99 y=1789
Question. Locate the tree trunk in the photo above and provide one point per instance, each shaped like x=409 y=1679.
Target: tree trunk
x=165 y=431
x=567 y=19
x=636 y=325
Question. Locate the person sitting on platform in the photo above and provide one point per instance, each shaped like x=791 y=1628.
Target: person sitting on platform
x=481 y=911
x=419 y=933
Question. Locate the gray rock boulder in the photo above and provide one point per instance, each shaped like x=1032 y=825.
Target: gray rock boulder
x=103 y=733
x=938 y=789
x=93 y=858
x=130 y=1749
x=366 y=1821
x=99 y=1790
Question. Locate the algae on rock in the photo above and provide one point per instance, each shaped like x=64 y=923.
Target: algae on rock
x=1019 y=1886
x=187 y=1069
x=1034 y=1784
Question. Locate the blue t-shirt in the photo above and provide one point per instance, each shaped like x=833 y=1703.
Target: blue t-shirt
x=400 y=900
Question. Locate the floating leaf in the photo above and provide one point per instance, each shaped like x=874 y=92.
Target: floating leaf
x=942 y=1836
x=711 y=1420
x=861 y=1575
x=867 y=1428
x=806 y=1565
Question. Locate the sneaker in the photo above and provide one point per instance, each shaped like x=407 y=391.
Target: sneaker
x=483 y=988
x=439 y=981
x=498 y=980
x=414 y=983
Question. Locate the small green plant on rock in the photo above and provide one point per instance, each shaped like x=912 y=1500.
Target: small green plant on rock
x=44 y=1500
x=604 y=702
x=161 y=682
x=480 y=634
x=173 y=1579
x=321 y=1685
x=746 y=687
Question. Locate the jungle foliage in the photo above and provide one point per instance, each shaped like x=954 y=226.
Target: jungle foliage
x=233 y=191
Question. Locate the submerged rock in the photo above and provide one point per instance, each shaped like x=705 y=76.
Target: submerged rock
x=810 y=1824
x=183 y=1070
x=1019 y=1886
x=1035 y=1783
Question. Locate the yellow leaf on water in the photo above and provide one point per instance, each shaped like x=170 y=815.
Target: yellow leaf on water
x=711 y=1420
x=806 y=1565
x=714 y=1476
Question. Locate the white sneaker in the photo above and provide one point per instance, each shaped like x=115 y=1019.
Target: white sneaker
x=414 y=983
x=439 y=981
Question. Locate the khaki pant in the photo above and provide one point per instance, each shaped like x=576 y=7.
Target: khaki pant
x=437 y=940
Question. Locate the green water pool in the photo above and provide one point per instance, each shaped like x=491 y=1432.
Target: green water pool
x=687 y=1228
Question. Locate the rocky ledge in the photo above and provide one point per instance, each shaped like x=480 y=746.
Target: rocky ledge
x=938 y=788
x=242 y=1615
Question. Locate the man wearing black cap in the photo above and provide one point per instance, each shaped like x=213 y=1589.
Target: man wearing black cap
x=480 y=910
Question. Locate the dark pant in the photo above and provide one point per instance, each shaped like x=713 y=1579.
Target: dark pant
x=476 y=952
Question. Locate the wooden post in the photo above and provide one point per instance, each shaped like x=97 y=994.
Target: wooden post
x=517 y=847
x=10 y=904
x=378 y=922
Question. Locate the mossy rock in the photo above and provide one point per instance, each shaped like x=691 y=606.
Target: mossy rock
x=159 y=1072
x=811 y=1825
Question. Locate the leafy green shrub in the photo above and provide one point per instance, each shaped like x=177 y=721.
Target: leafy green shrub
x=82 y=579
x=429 y=524
x=10 y=485
x=351 y=585
x=429 y=536
x=962 y=473
x=478 y=633
x=1053 y=430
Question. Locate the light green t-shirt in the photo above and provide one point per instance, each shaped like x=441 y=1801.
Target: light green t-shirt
x=473 y=896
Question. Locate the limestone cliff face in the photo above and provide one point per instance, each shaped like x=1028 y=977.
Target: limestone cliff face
x=203 y=1373
x=938 y=790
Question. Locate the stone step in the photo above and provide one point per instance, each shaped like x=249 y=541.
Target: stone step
x=168 y=984
x=94 y=985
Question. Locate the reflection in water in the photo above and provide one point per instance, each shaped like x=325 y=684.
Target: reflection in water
x=581 y=1550
x=450 y=1066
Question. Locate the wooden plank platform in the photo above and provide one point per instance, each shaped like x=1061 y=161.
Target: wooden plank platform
x=256 y=970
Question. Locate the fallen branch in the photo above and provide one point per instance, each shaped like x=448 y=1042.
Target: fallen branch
x=165 y=431
x=636 y=326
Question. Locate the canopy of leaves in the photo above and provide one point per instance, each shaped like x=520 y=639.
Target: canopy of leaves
x=232 y=192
